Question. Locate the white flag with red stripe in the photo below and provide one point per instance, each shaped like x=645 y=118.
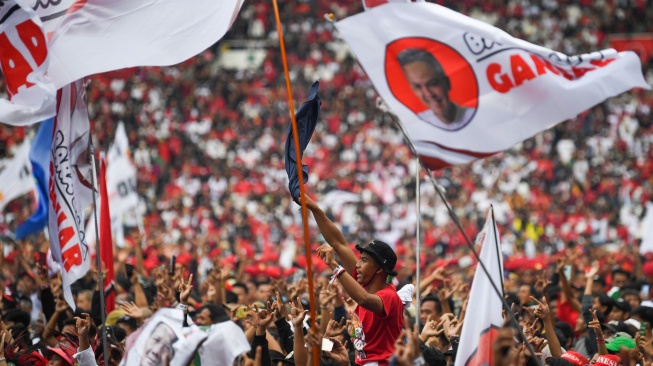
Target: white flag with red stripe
x=465 y=90
x=70 y=188
x=24 y=61
x=484 y=317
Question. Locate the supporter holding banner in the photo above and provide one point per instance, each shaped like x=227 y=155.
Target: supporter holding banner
x=99 y=35
x=465 y=90
x=70 y=189
x=16 y=177
x=24 y=61
x=481 y=326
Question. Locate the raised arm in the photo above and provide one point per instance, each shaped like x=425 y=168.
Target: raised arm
x=333 y=236
x=543 y=313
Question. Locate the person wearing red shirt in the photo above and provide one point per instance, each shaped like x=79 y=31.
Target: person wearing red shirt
x=378 y=319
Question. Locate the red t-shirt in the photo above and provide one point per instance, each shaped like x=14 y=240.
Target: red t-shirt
x=375 y=334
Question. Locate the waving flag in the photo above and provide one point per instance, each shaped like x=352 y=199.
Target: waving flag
x=465 y=90
x=39 y=156
x=24 y=62
x=106 y=241
x=70 y=190
x=481 y=325
x=306 y=116
x=121 y=176
x=95 y=36
x=16 y=177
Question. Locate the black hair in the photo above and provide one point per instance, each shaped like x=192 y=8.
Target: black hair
x=431 y=297
x=218 y=314
x=411 y=55
x=241 y=285
x=17 y=316
x=432 y=356
x=230 y=297
x=606 y=301
x=566 y=330
x=620 y=271
x=555 y=361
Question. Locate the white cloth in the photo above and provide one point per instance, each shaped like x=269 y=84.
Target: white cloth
x=461 y=119
x=85 y=357
x=16 y=177
x=225 y=342
x=406 y=295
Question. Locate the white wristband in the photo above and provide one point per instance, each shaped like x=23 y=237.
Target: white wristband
x=182 y=307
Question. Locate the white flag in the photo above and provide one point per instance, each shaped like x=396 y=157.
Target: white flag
x=16 y=177
x=646 y=228
x=121 y=176
x=484 y=317
x=163 y=340
x=24 y=61
x=70 y=186
x=104 y=35
x=465 y=90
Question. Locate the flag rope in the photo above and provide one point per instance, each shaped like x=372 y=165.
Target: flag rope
x=302 y=192
x=456 y=220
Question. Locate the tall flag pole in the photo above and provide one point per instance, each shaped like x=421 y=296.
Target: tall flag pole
x=418 y=241
x=307 y=243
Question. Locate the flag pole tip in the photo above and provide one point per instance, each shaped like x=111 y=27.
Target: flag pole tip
x=330 y=17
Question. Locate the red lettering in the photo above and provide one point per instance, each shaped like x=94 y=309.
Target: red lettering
x=71 y=257
x=34 y=39
x=61 y=217
x=64 y=236
x=520 y=70
x=601 y=63
x=542 y=65
x=503 y=84
x=565 y=73
x=13 y=65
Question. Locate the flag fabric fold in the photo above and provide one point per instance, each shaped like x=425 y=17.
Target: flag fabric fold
x=70 y=189
x=481 y=327
x=24 y=60
x=103 y=35
x=39 y=156
x=306 y=117
x=465 y=90
x=106 y=240
x=16 y=177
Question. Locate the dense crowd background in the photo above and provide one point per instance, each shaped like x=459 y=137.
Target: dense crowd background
x=208 y=143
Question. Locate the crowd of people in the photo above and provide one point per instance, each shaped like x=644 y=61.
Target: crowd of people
x=208 y=145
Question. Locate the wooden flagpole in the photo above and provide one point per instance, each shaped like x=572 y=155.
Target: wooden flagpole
x=298 y=159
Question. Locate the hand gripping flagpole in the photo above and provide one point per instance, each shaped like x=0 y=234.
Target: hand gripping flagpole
x=454 y=217
x=302 y=192
x=98 y=256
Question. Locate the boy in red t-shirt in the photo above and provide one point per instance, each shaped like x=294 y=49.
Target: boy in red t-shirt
x=378 y=318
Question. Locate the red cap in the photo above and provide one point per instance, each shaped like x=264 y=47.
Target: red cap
x=64 y=356
x=608 y=360
x=575 y=358
x=648 y=269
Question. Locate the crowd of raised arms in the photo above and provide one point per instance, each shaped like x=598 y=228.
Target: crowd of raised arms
x=212 y=185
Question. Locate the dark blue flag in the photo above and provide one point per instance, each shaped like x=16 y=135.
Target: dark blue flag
x=306 y=116
x=40 y=158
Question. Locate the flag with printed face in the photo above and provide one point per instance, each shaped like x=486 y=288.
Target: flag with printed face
x=482 y=322
x=16 y=177
x=70 y=188
x=39 y=156
x=95 y=36
x=24 y=61
x=465 y=90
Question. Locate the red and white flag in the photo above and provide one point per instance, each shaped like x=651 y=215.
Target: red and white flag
x=465 y=90
x=24 y=61
x=95 y=36
x=106 y=240
x=484 y=317
x=70 y=188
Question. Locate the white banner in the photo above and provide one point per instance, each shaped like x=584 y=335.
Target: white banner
x=24 y=61
x=646 y=232
x=104 y=35
x=465 y=90
x=121 y=176
x=70 y=186
x=16 y=177
x=164 y=341
x=481 y=325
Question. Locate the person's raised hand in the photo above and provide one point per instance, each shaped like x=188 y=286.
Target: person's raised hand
x=132 y=310
x=279 y=309
x=297 y=314
x=595 y=325
x=339 y=352
x=184 y=290
x=83 y=325
x=430 y=329
x=263 y=317
x=258 y=357
x=593 y=271
x=61 y=306
x=335 y=328
x=350 y=305
x=542 y=310
x=325 y=252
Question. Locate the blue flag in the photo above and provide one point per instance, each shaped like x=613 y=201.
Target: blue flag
x=39 y=155
x=306 y=116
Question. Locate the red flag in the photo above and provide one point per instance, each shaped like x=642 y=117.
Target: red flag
x=106 y=241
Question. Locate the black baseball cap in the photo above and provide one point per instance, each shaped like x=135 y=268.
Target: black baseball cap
x=382 y=254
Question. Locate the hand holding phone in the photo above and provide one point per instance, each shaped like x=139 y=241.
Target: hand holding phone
x=642 y=329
